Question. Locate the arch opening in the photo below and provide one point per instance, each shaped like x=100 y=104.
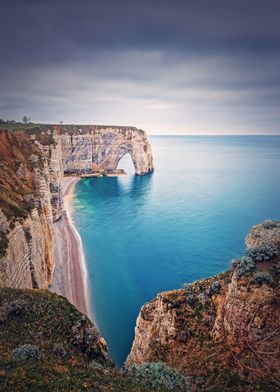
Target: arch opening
x=126 y=163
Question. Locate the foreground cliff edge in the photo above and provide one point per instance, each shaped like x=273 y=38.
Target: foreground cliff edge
x=223 y=332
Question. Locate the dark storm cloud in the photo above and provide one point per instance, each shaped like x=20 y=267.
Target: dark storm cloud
x=183 y=65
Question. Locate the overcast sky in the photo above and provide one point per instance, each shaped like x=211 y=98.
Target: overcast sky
x=176 y=66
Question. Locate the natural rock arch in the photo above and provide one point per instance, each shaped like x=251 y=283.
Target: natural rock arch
x=126 y=163
x=98 y=149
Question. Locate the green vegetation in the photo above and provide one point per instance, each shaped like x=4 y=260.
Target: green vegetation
x=215 y=287
x=264 y=252
x=243 y=265
x=19 y=126
x=263 y=277
x=18 y=212
x=26 y=351
x=247 y=264
x=158 y=374
x=3 y=244
x=270 y=224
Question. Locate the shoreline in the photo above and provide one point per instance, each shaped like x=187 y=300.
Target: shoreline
x=70 y=275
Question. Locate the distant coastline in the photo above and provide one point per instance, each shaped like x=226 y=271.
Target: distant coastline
x=70 y=275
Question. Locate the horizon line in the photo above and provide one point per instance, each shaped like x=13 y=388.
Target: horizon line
x=213 y=134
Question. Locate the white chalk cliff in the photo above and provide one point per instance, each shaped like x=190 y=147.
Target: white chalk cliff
x=92 y=148
x=32 y=165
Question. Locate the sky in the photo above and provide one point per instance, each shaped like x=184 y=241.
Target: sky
x=168 y=67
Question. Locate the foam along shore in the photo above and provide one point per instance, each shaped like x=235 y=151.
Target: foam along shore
x=69 y=278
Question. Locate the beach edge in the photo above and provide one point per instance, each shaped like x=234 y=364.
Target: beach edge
x=70 y=273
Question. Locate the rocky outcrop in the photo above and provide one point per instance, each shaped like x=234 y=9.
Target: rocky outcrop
x=223 y=330
x=91 y=148
x=32 y=164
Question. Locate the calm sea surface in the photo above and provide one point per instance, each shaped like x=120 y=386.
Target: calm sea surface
x=186 y=221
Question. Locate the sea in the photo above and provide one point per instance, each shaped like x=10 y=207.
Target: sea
x=184 y=222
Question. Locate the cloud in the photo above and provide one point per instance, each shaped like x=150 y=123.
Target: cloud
x=181 y=67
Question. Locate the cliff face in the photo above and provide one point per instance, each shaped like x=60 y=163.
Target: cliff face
x=30 y=201
x=91 y=148
x=32 y=165
x=223 y=330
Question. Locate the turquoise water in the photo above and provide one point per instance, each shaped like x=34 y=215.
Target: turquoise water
x=187 y=220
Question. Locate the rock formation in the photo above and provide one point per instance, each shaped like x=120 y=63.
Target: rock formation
x=32 y=164
x=91 y=148
x=30 y=201
x=223 y=330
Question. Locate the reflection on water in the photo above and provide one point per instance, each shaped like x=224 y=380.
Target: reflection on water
x=187 y=220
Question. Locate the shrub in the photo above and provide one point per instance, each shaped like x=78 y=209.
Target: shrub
x=202 y=298
x=26 y=351
x=96 y=366
x=59 y=350
x=243 y=265
x=158 y=374
x=215 y=287
x=187 y=287
x=263 y=277
x=3 y=244
x=270 y=224
x=262 y=253
x=19 y=212
x=190 y=298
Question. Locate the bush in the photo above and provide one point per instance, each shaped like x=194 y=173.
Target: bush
x=158 y=374
x=262 y=253
x=19 y=212
x=96 y=366
x=59 y=350
x=270 y=224
x=26 y=351
x=243 y=265
x=190 y=298
x=3 y=244
x=202 y=298
x=187 y=287
x=215 y=287
x=263 y=277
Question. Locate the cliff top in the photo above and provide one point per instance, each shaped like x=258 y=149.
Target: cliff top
x=69 y=128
